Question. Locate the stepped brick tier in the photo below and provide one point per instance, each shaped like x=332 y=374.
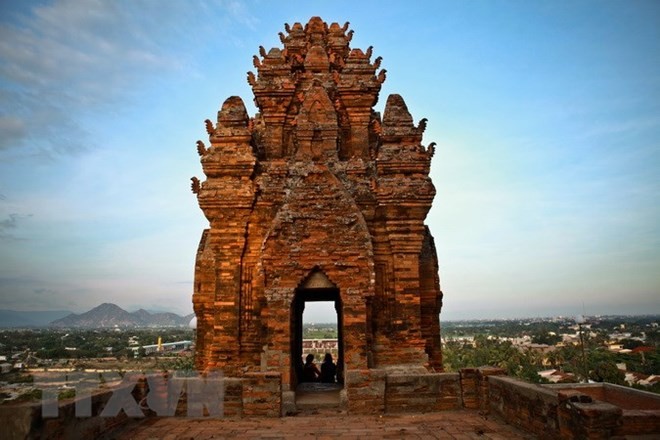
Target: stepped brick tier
x=316 y=198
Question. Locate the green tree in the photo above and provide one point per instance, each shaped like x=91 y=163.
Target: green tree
x=495 y=353
x=605 y=371
x=544 y=337
x=631 y=343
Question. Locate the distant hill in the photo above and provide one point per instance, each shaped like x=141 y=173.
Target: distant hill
x=15 y=318
x=111 y=315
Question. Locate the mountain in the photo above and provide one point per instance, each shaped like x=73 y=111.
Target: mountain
x=16 y=318
x=105 y=315
x=111 y=315
x=160 y=319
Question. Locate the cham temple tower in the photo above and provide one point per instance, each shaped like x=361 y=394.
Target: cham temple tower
x=316 y=198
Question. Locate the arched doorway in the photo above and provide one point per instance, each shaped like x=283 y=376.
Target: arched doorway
x=317 y=287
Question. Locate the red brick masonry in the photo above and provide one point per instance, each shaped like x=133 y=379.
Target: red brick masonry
x=316 y=197
x=442 y=425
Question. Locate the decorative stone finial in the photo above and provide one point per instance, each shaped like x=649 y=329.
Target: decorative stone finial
x=233 y=113
x=201 y=148
x=396 y=112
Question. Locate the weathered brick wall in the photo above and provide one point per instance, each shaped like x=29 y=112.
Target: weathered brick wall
x=621 y=396
x=319 y=230
x=639 y=422
x=580 y=417
x=573 y=411
x=233 y=403
x=203 y=301
x=640 y=410
x=17 y=419
x=419 y=393
x=25 y=420
x=525 y=405
x=262 y=395
x=365 y=390
x=469 y=381
x=316 y=181
x=431 y=302
x=474 y=386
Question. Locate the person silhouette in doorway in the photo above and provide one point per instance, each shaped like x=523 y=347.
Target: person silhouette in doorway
x=311 y=372
x=328 y=369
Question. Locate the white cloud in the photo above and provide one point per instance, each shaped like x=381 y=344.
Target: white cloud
x=9 y=226
x=70 y=58
x=12 y=129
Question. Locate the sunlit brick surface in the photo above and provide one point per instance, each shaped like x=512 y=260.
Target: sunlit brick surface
x=442 y=425
x=318 y=192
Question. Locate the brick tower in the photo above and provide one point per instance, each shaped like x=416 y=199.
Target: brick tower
x=316 y=198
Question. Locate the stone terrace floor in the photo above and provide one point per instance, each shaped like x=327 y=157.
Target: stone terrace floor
x=463 y=424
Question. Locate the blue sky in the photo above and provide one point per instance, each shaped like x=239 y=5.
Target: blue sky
x=546 y=116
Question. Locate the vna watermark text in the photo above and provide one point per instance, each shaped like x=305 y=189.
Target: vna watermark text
x=204 y=393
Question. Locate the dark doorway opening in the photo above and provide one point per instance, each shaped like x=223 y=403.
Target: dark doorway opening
x=305 y=295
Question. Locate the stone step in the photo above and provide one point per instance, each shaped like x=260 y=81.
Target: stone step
x=330 y=412
x=319 y=406
x=314 y=399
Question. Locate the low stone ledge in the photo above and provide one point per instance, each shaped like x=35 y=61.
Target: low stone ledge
x=422 y=392
x=365 y=390
x=18 y=421
x=526 y=389
x=262 y=394
x=233 y=405
x=639 y=422
x=289 y=403
x=619 y=395
x=639 y=415
x=525 y=405
x=469 y=391
x=26 y=421
x=587 y=419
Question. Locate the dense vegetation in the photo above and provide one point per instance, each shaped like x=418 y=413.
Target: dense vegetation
x=320 y=331
x=79 y=344
x=465 y=344
x=480 y=343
